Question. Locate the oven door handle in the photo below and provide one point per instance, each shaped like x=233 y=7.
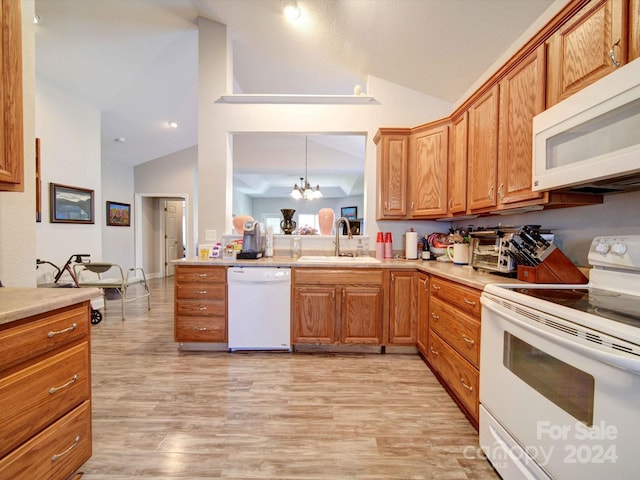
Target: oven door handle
x=618 y=361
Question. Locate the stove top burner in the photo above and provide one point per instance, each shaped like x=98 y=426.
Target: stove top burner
x=619 y=307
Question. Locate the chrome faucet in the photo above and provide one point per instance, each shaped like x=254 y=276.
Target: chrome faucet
x=337 y=240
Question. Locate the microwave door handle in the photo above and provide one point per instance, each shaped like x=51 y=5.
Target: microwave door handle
x=623 y=363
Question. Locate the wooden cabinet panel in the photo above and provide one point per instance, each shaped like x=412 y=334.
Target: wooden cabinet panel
x=36 y=396
x=392 y=166
x=461 y=331
x=200 y=309
x=56 y=452
x=457 y=171
x=314 y=315
x=580 y=51
x=423 y=313
x=11 y=115
x=402 y=308
x=634 y=29
x=428 y=161
x=465 y=298
x=361 y=320
x=482 y=154
x=522 y=96
x=459 y=375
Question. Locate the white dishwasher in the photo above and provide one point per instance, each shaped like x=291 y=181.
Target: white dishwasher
x=259 y=308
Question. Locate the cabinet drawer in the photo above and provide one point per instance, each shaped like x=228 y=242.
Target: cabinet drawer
x=465 y=298
x=459 y=374
x=461 y=331
x=204 y=274
x=38 y=395
x=56 y=452
x=200 y=329
x=29 y=340
x=329 y=276
x=200 y=309
x=206 y=291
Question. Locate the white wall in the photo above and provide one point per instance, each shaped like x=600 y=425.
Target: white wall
x=69 y=132
x=117 y=186
x=17 y=209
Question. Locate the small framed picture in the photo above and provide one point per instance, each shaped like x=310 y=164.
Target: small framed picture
x=118 y=214
x=350 y=213
x=70 y=204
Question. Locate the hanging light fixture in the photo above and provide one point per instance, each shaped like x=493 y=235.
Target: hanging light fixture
x=305 y=191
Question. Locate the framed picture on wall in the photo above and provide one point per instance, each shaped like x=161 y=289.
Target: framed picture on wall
x=70 y=204
x=118 y=214
x=350 y=213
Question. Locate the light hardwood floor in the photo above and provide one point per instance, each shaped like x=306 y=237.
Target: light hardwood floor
x=162 y=414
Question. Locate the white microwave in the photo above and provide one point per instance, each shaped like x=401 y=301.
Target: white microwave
x=591 y=140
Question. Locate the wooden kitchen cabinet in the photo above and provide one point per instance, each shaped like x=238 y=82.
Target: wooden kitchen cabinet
x=522 y=96
x=422 y=341
x=45 y=393
x=589 y=46
x=634 y=29
x=11 y=116
x=454 y=341
x=200 y=304
x=402 y=307
x=482 y=153
x=337 y=306
x=428 y=162
x=392 y=169
x=457 y=169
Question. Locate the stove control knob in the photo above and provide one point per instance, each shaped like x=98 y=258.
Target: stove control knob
x=602 y=248
x=619 y=248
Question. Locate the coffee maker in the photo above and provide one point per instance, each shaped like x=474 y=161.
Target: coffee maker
x=252 y=247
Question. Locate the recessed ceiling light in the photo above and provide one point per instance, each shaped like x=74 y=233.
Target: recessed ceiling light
x=120 y=139
x=291 y=9
x=173 y=124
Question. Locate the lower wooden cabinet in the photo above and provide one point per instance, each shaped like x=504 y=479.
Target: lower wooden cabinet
x=423 y=313
x=45 y=393
x=200 y=309
x=402 y=307
x=337 y=306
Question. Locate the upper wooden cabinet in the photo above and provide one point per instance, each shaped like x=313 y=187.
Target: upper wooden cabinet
x=11 y=135
x=428 y=152
x=634 y=29
x=457 y=167
x=482 y=154
x=589 y=46
x=521 y=98
x=392 y=160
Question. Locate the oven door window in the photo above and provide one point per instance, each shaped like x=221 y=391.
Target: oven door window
x=566 y=386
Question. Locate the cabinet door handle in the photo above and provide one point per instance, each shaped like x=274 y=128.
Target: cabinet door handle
x=450 y=202
x=490 y=193
x=435 y=287
x=468 y=340
x=501 y=191
x=73 y=380
x=71 y=447
x=468 y=387
x=64 y=330
x=435 y=316
x=433 y=351
x=612 y=54
x=469 y=302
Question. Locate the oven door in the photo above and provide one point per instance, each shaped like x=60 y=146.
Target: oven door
x=554 y=399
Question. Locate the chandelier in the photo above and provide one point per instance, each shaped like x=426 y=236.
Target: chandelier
x=305 y=191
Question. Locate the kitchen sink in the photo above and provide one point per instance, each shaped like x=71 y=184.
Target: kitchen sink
x=335 y=259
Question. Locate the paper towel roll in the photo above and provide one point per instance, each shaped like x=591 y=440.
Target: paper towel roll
x=411 y=245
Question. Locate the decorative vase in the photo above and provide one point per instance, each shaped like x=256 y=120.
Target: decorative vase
x=287 y=225
x=326 y=217
x=239 y=221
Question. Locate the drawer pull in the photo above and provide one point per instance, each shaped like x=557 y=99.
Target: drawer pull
x=201 y=275
x=53 y=390
x=469 y=302
x=200 y=329
x=433 y=351
x=435 y=287
x=201 y=292
x=468 y=387
x=435 y=316
x=64 y=330
x=468 y=340
x=71 y=447
x=201 y=308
